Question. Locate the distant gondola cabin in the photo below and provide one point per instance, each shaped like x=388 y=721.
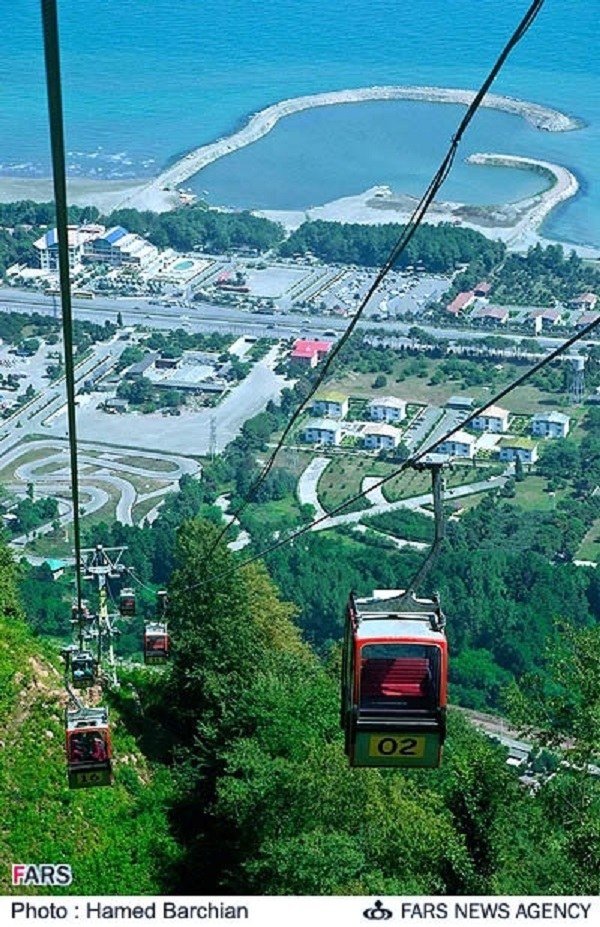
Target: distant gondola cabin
x=83 y=670
x=127 y=603
x=394 y=681
x=157 y=644
x=89 y=749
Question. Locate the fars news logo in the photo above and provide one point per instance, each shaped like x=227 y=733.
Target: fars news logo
x=44 y=874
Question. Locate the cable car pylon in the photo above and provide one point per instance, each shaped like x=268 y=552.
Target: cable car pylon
x=100 y=564
x=395 y=665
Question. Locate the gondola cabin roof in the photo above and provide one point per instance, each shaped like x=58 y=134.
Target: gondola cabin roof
x=387 y=614
x=392 y=628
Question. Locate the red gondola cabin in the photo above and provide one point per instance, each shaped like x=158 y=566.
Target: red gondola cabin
x=157 y=644
x=88 y=748
x=83 y=669
x=127 y=603
x=394 y=681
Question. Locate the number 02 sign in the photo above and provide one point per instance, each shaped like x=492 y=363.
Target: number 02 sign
x=394 y=746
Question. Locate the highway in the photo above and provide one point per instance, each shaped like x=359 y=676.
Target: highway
x=205 y=317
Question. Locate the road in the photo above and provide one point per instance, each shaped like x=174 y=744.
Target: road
x=415 y=502
x=307 y=488
x=205 y=317
x=50 y=475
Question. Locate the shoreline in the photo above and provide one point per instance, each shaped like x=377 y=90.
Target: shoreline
x=518 y=223
x=515 y=223
x=260 y=124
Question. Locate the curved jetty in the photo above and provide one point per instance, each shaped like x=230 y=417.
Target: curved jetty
x=161 y=188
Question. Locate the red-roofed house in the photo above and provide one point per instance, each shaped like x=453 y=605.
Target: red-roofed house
x=585 y=301
x=495 y=315
x=460 y=302
x=548 y=316
x=309 y=353
x=586 y=319
x=483 y=288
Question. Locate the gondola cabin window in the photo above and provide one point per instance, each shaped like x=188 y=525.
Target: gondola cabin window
x=399 y=674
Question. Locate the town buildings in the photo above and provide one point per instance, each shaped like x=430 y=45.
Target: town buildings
x=322 y=431
x=523 y=448
x=494 y=419
x=380 y=437
x=387 y=409
x=550 y=425
x=330 y=405
x=91 y=243
x=309 y=353
x=461 y=444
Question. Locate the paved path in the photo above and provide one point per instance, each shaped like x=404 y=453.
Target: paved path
x=95 y=473
x=414 y=503
x=373 y=496
x=243 y=538
x=307 y=489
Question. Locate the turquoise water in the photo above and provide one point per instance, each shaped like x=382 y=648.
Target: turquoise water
x=183 y=265
x=144 y=82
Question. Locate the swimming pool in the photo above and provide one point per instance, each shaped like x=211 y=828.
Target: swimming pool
x=183 y=265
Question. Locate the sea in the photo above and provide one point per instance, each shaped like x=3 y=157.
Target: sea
x=147 y=81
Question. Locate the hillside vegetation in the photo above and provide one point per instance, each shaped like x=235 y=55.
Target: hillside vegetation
x=116 y=840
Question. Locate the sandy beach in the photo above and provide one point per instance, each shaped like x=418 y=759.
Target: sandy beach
x=515 y=223
x=541 y=117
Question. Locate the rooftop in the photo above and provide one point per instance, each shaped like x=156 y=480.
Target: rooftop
x=310 y=348
x=381 y=429
x=331 y=396
x=388 y=402
x=460 y=437
x=494 y=412
x=323 y=424
x=553 y=416
x=523 y=443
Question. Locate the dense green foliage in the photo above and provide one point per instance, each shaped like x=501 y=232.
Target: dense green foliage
x=18 y=326
x=438 y=248
x=114 y=838
x=30 y=514
x=543 y=276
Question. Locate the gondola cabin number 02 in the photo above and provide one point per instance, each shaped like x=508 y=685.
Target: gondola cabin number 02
x=384 y=745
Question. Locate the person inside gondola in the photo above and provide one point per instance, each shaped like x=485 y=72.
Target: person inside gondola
x=98 y=751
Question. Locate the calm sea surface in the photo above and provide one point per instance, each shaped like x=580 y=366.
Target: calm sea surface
x=146 y=81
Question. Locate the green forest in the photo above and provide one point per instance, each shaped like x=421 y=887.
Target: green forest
x=230 y=774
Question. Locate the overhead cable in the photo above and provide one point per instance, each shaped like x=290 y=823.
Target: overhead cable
x=405 y=237
x=420 y=454
x=57 y=143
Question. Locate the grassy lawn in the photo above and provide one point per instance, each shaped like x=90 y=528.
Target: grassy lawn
x=142 y=484
x=292 y=459
x=416 y=483
x=52 y=545
x=589 y=549
x=107 y=512
x=278 y=515
x=343 y=479
x=141 y=509
x=7 y=473
x=148 y=463
x=531 y=495
x=525 y=399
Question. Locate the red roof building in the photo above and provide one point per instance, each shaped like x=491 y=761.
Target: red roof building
x=483 y=288
x=494 y=314
x=551 y=316
x=309 y=352
x=460 y=302
x=586 y=319
x=586 y=301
